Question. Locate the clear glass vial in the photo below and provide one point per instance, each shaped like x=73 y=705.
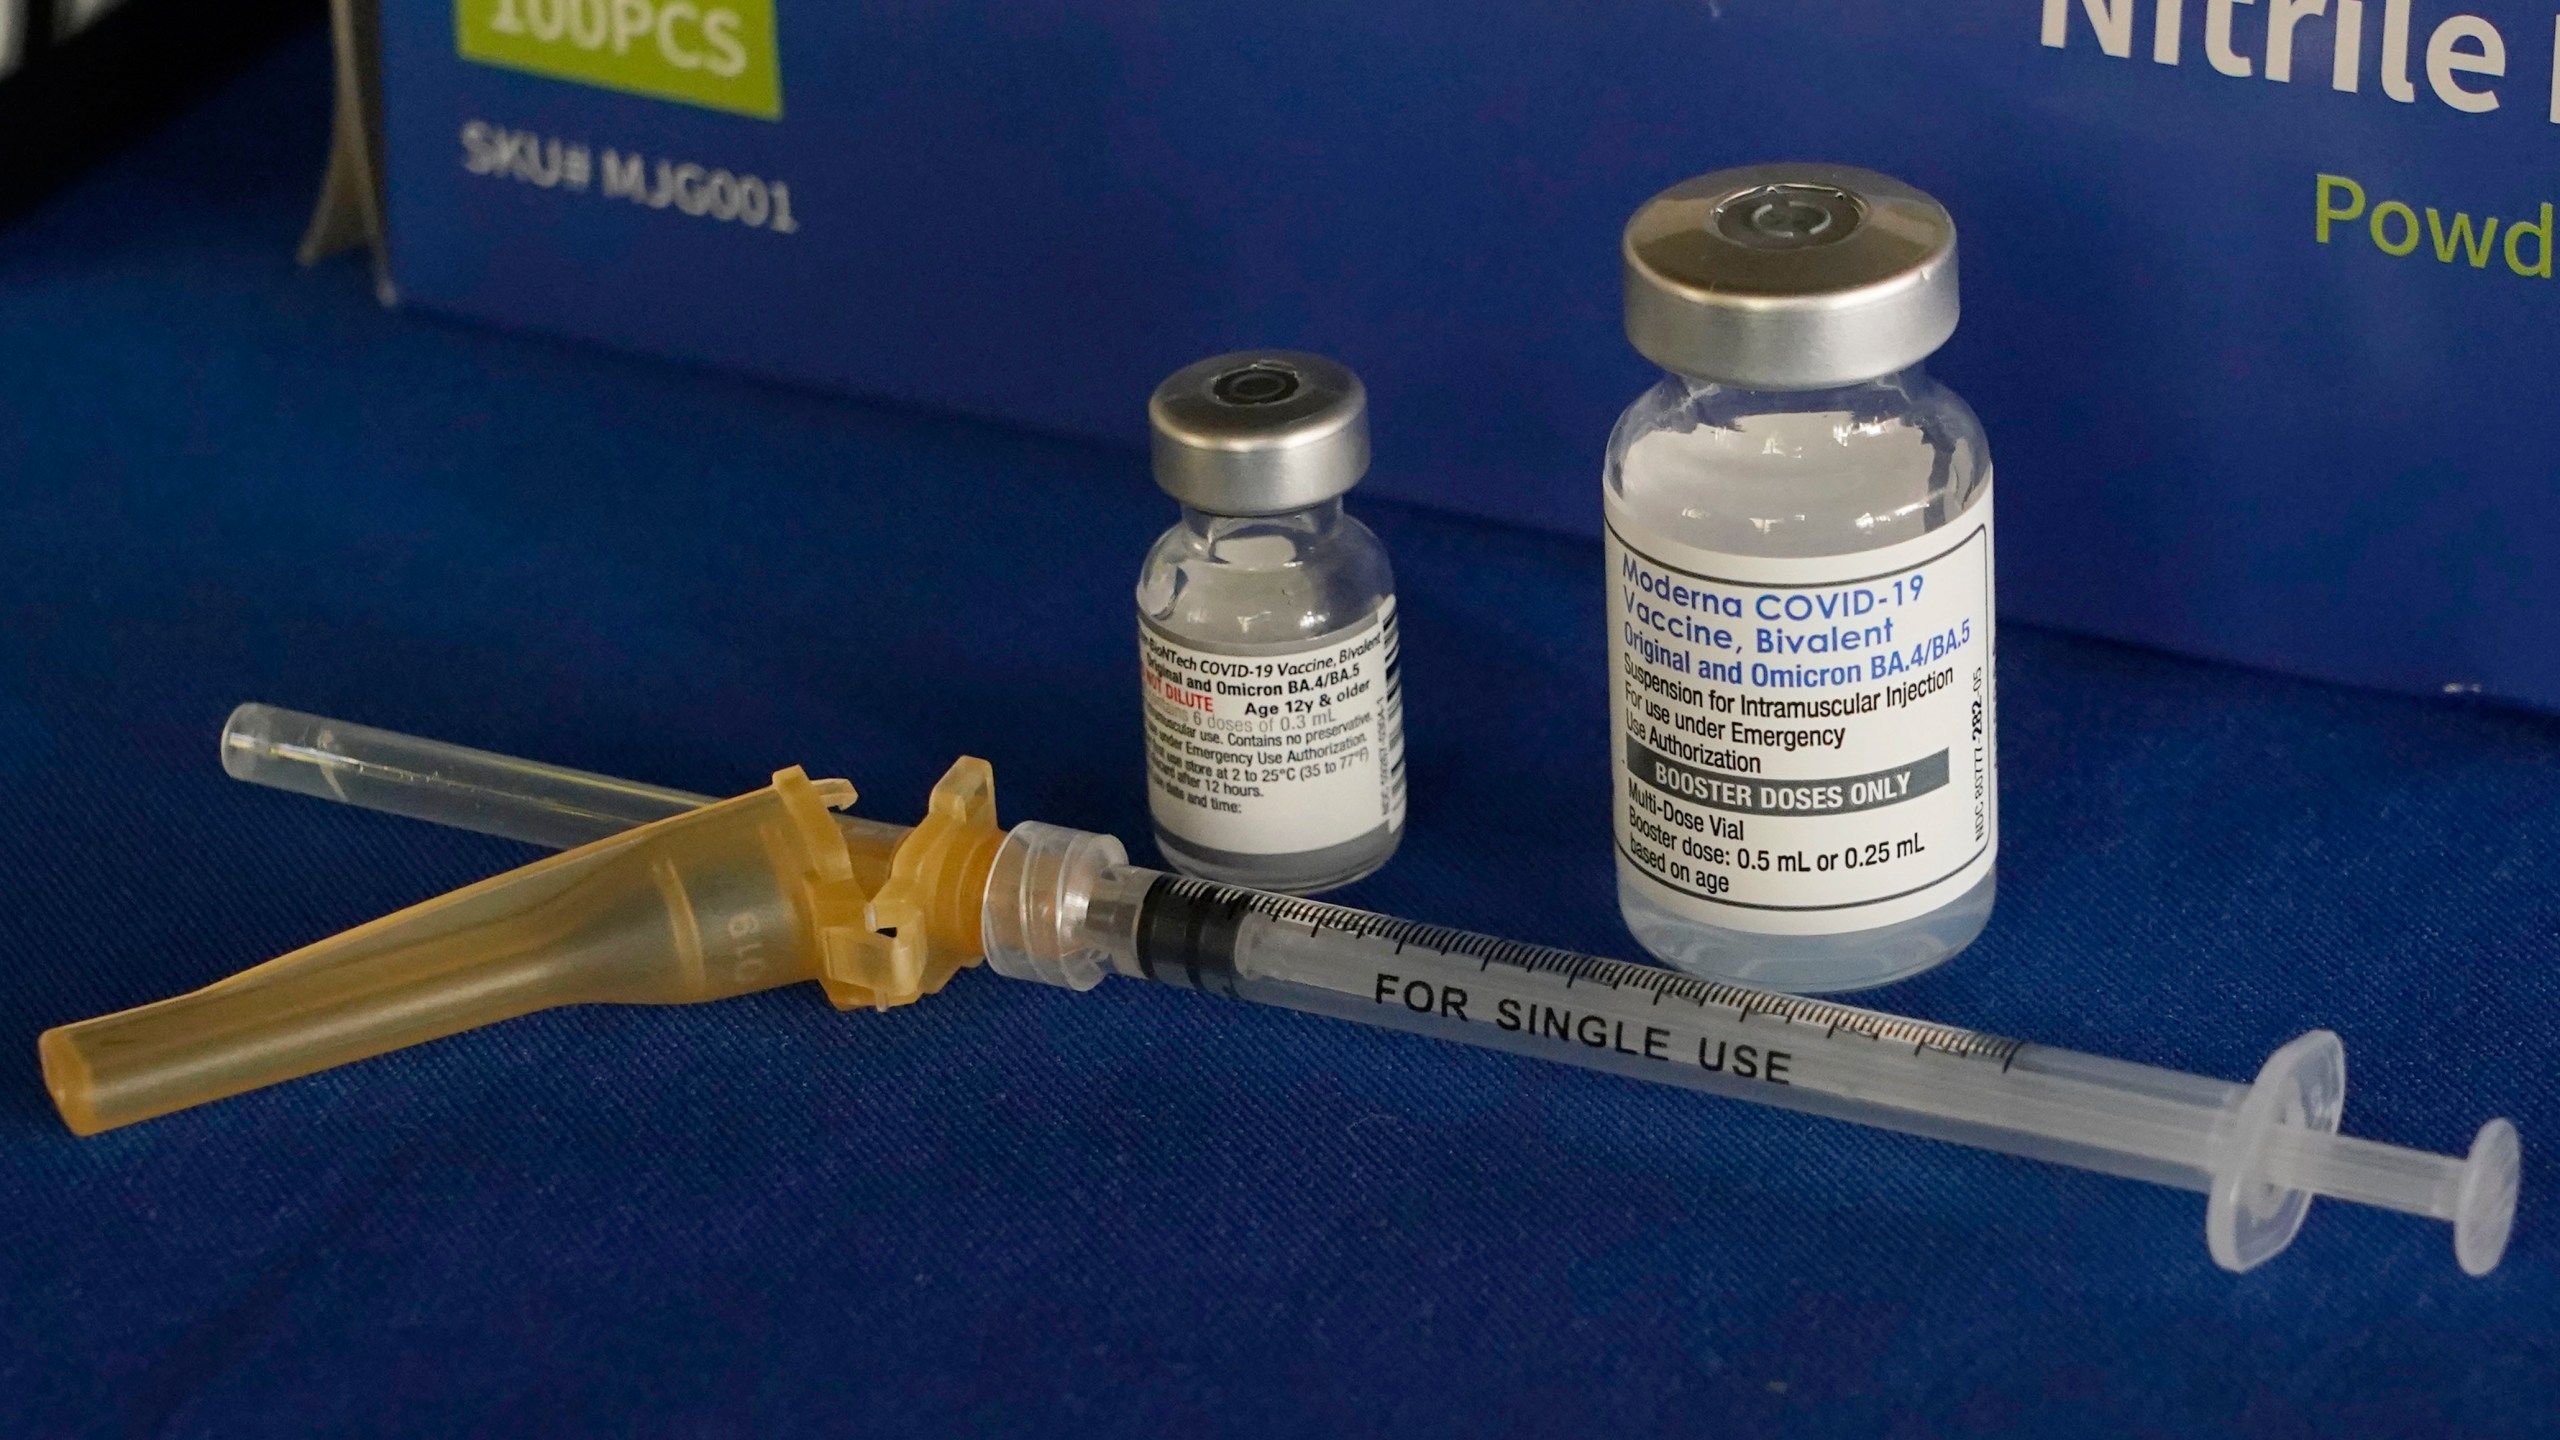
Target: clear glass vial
x=1802 y=673
x=1267 y=631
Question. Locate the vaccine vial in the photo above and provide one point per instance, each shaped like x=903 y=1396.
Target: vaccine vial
x=1267 y=631
x=1800 y=588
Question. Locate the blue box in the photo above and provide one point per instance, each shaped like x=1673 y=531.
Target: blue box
x=2239 y=410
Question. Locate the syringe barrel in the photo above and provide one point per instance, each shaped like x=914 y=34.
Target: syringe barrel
x=2056 y=1105
x=1063 y=909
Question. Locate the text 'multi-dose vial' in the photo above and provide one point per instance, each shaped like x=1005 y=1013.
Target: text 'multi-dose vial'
x=1267 y=631
x=1800 y=591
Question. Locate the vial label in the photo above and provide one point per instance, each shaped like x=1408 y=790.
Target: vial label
x=1804 y=746
x=1264 y=751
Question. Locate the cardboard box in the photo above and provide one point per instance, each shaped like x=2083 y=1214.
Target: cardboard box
x=2259 y=305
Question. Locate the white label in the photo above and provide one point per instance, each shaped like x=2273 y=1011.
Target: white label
x=1256 y=752
x=1804 y=746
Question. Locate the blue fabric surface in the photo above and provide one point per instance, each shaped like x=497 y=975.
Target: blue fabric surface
x=1140 y=1211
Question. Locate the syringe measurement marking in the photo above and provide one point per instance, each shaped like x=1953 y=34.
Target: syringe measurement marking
x=1921 y=1035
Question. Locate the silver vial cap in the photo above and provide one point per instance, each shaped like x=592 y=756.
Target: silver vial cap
x=1790 y=277
x=1259 y=432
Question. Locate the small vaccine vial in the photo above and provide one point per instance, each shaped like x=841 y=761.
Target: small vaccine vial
x=1800 y=588
x=1267 y=631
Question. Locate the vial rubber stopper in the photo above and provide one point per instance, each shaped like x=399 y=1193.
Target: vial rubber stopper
x=1259 y=432
x=1790 y=277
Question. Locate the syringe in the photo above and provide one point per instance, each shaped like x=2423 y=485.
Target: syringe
x=1066 y=908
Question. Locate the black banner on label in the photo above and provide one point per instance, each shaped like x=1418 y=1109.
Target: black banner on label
x=1753 y=795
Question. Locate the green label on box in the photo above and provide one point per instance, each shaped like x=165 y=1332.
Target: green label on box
x=716 y=53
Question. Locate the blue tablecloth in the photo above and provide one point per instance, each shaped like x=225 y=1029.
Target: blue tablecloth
x=1022 y=1211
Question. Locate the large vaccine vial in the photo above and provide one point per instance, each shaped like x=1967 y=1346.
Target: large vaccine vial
x=1800 y=588
x=1267 y=631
